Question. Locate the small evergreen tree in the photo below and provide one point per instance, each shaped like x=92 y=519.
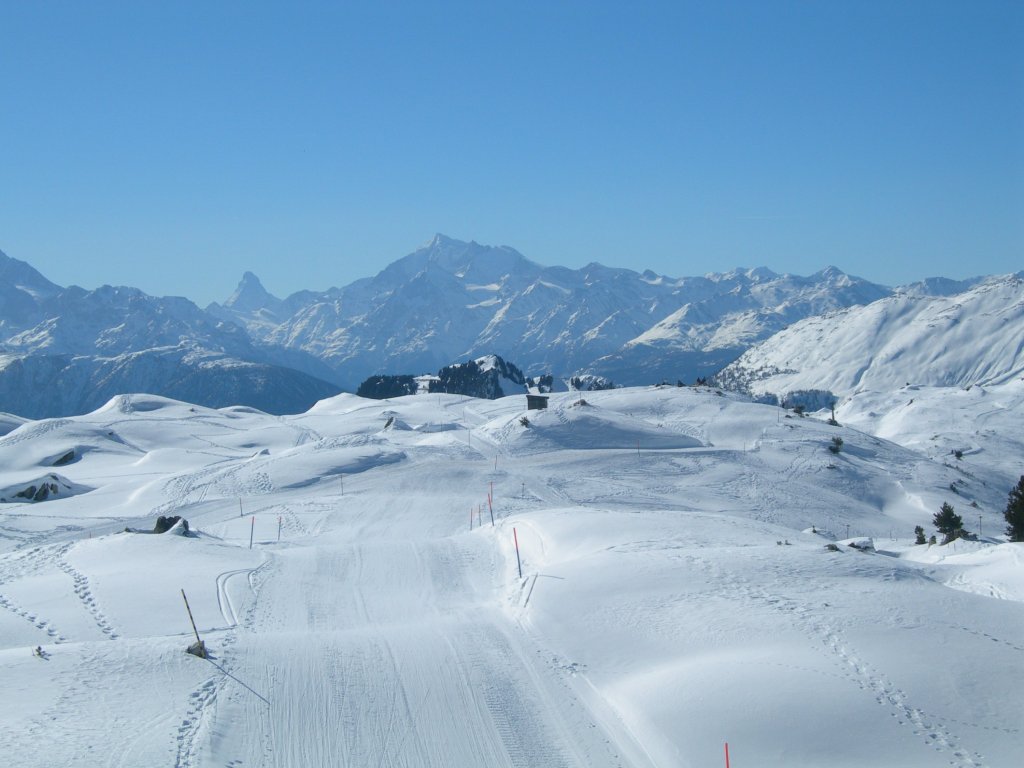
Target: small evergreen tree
x=919 y=534
x=948 y=523
x=1014 y=514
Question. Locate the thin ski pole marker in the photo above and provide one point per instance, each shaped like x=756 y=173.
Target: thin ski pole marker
x=519 y=563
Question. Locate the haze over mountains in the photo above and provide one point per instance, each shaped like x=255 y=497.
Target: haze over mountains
x=68 y=350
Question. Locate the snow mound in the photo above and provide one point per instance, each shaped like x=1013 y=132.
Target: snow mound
x=977 y=567
x=587 y=427
x=143 y=403
x=340 y=404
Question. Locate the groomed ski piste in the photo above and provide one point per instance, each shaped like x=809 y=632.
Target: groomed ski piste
x=677 y=592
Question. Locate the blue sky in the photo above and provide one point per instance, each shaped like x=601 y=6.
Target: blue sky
x=172 y=146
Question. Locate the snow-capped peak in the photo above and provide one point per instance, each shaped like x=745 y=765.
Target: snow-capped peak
x=250 y=295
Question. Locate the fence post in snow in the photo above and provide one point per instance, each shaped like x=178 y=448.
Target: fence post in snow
x=199 y=646
x=240 y=508
x=278 y=529
x=252 y=530
x=519 y=563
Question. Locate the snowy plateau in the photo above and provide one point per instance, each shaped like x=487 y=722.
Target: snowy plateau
x=635 y=577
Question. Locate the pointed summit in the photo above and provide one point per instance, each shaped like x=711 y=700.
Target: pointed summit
x=251 y=296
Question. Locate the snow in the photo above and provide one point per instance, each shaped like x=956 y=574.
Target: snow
x=676 y=592
x=965 y=339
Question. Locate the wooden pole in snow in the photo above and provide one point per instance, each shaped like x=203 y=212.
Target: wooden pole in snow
x=278 y=529
x=240 y=508
x=198 y=641
x=252 y=530
x=519 y=563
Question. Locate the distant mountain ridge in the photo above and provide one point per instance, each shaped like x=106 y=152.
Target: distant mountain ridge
x=67 y=350
x=451 y=300
x=918 y=337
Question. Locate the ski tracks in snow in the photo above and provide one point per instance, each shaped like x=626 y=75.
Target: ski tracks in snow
x=195 y=725
x=381 y=654
x=929 y=727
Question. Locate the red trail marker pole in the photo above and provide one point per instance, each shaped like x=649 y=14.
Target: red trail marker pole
x=519 y=563
x=252 y=530
x=727 y=754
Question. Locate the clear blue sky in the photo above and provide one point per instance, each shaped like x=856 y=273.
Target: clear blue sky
x=172 y=146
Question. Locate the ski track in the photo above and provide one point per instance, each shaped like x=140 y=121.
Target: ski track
x=200 y=715
x=351 y=680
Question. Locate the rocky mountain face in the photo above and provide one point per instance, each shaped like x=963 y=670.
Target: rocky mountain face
x=67 y=350
x=487 y=378
x=452 y=300
x=928 y=334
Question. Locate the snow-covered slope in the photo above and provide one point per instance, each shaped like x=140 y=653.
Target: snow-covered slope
x=974 y=337
x=671 y=591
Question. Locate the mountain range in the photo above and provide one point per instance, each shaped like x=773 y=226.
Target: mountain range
x=68 y=350
x=451 y=300
x=913 y=338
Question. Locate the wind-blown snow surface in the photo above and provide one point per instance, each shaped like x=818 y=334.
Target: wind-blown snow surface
x=674 y=595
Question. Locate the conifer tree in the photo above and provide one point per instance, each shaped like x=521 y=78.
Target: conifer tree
x=948 y=523
x=1014 y=513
